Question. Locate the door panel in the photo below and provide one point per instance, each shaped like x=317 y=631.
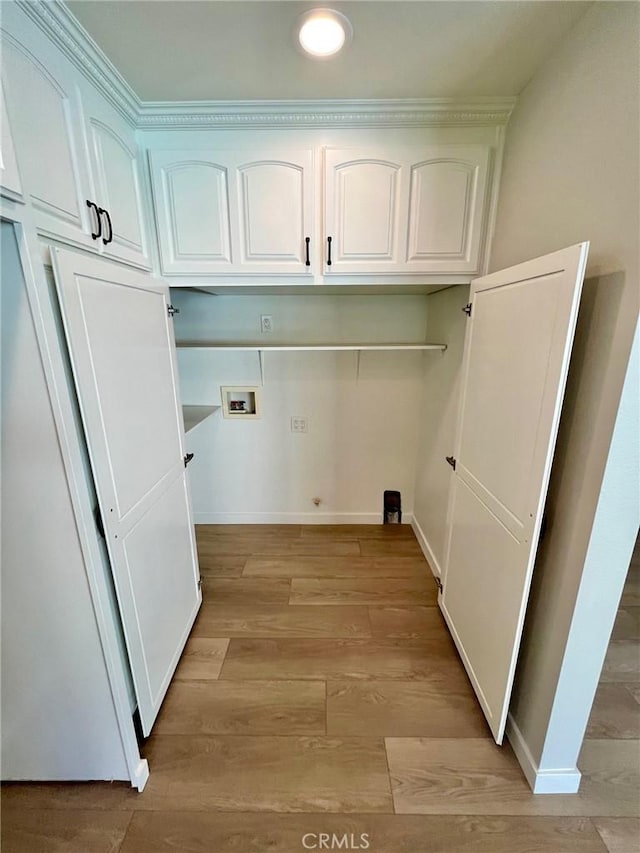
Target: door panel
x=39 y=105
x=516 y=360
x=162 y=539
x=362 y=212
x=273 y=214
x=478 y=534
x=114 y=159
x=137 y=317
x=502 y=423
x=123 y=361
x=192 y=203
x=9 y=175
x=448 y=192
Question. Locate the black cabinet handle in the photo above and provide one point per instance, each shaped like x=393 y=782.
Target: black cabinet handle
x=187 y=459
x=106 y=240
x=307 y=240
x=92 y=204
x=329 y=239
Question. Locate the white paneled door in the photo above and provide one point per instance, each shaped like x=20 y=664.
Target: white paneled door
x=517 y=349
x=123 y=361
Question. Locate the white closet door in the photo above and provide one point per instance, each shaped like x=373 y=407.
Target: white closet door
x=516 y=360
x=123 y=360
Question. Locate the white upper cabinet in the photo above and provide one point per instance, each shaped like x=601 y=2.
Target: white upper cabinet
x=115 y=189
x=10 y=185
x=409 y=210
x=76 y=154
x=246 y=212
x=41 y=101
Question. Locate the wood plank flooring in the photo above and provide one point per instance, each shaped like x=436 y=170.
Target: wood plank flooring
x=320 y=693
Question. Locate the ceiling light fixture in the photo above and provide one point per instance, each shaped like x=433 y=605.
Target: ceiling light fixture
x=321 y=33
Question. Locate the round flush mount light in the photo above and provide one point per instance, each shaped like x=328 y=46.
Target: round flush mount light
x=321 y=33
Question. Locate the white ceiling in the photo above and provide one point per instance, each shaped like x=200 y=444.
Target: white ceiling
x=171 y=50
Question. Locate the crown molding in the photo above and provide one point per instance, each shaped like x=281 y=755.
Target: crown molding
x=62 y=27
x=426 y=112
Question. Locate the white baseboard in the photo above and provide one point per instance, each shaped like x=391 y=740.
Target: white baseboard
x=293 y=518
x=426 y=548
x=141 y=775
x=551 y=781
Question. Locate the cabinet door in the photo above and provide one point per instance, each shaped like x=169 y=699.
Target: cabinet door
x=233 y=212
x=516 y=360
x=405 y=210
x=43 y=111
x=9 y=176
x=127 y=390
x=116 y=182
x=191 y=194
x=447 y=194
x=365 y=212
x=275 y=207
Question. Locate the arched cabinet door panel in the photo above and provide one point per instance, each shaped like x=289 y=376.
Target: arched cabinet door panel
x=447 y=196
x=363 y=212
x=275 y=206
x=116 y=180
x=43 y=111
x=243 y=212
x=193 y=217
x=10 y=184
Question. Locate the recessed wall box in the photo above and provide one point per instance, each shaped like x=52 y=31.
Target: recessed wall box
x=240 y=402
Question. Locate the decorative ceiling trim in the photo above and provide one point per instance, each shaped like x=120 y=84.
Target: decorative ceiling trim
x=426 y=112
x=62 y=27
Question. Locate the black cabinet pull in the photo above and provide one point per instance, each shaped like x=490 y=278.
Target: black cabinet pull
x=92 y=204
x=329 y=239
x=307 y=240
x=187 y=459
x=106 y=240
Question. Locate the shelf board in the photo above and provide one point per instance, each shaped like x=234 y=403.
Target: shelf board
x=194 y=415
x=253 y=347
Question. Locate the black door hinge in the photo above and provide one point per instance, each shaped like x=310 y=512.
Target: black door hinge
x=187 y=459
x=451 y=460
x=467 y=309
x=439 y=585
x=171 y=310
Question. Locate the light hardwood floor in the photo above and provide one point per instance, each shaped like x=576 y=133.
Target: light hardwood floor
x=320 y=692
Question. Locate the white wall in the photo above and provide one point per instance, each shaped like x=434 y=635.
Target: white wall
x=438 y=415
x=58 y=715
x=362 y=436
x=571 y=173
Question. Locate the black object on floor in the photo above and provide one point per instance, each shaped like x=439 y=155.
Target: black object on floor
x=392 y=507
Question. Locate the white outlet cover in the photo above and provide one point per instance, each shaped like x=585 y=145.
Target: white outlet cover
x=266 y=322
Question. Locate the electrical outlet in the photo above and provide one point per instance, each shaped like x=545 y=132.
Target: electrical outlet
x=299 y=424
x=266 y=323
